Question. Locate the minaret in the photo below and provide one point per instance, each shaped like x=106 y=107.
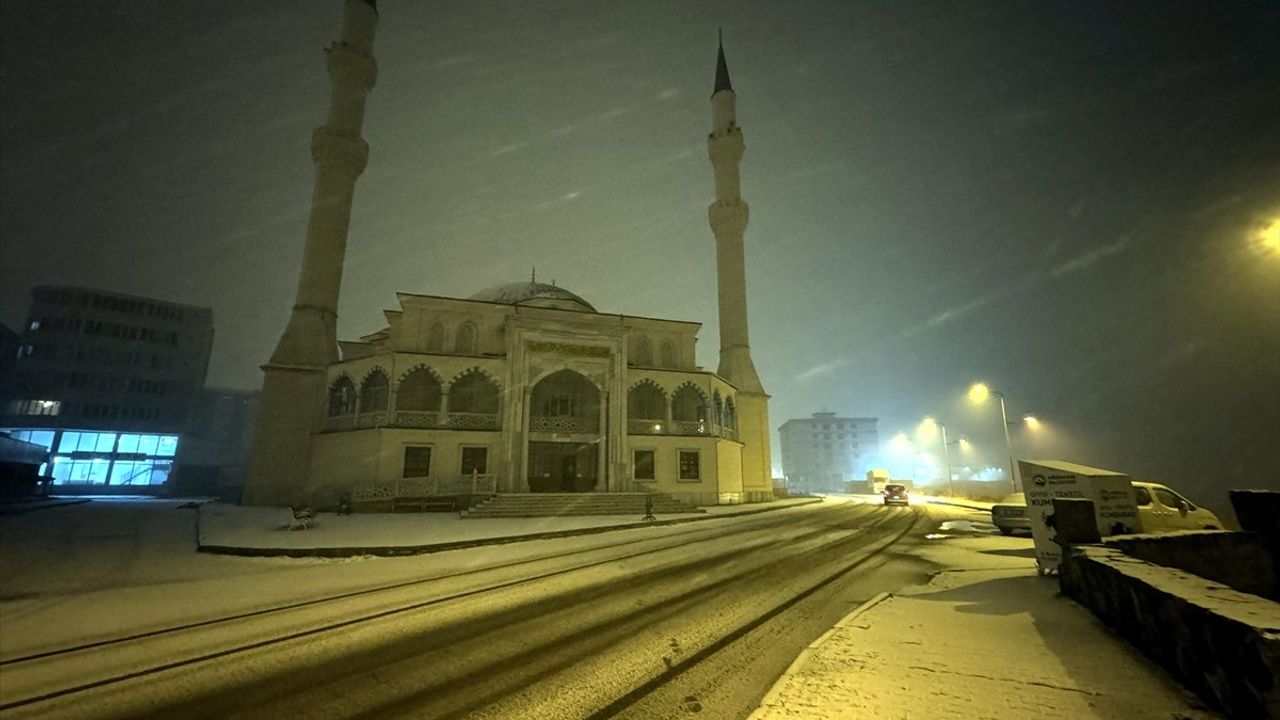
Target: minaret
x=294 y=386
x=728 y=216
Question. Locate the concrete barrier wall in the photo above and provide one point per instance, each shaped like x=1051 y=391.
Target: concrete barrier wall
x=1259 y=512
x=1243 y=561
x=1221 y=643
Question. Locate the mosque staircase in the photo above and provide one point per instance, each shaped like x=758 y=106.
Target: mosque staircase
x=566 y=504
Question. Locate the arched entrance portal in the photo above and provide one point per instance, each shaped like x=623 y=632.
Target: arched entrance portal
x=564 y=434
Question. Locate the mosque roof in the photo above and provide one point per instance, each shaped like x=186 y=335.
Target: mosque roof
x=533 y=293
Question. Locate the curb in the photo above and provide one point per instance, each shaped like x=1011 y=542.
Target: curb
x=794 y=668
x=42 y=506
x=959 y=505
x=403 y=550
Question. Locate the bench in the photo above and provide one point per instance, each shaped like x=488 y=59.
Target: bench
x=303 y=516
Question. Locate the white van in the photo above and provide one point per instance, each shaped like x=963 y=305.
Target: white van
x=1160 y=509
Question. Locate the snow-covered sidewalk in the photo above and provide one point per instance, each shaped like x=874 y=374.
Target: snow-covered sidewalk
x=986 y=638
x=232 y=529
x=957 y=502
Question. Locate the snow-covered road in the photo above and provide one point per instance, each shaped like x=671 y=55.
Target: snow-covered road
x=554 y=628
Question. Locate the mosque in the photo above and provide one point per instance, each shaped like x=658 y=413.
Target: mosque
x=519 y=388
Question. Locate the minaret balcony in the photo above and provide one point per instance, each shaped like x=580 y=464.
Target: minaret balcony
x=726 y=146
x=728 y=218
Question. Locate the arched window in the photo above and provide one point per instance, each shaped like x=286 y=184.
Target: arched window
x=342 y=397
x=564 y=401
x=717 y=408
x=668 y=354
x=688 y=404
x=730 y=414
x=466 y=340
x=373 y=392
x=643 y=354
x=473 y=392
x=419 y=390
x=435 y=340
x=646 y=401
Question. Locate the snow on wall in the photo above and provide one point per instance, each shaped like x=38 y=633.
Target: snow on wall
x=1239 y=560
x=1222 y=643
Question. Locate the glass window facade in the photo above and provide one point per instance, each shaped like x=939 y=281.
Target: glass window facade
x=104 y=458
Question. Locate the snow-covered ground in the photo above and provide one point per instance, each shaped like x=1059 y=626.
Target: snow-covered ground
x=986 y=638
x=115 y=566
x=256 y=527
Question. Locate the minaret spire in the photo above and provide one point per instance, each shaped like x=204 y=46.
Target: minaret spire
x=722 y=69
x=294 y=380
x=728 y=216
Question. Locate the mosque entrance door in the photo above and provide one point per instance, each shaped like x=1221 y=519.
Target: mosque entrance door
x=557 y=467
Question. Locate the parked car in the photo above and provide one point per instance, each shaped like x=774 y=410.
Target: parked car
x=1160 y=509
x=895 y=494
x=1010 y=514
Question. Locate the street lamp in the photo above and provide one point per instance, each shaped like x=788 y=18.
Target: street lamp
x=978 y=394
x=900 y=443
x=946 y=453
x=1269 y=236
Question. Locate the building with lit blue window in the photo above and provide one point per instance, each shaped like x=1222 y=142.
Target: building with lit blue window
x=90 y=459
x=106 y=383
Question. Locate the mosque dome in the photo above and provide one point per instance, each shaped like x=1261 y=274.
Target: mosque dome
x=535 y=294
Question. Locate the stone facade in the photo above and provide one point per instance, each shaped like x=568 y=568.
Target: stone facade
x=528 y=394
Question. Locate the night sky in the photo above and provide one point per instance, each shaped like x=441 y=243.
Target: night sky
x=1063 y=199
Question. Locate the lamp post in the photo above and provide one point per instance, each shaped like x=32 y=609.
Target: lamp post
x=978 y=394
x=963 y=442
x=946 y=457
x=946 y=452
